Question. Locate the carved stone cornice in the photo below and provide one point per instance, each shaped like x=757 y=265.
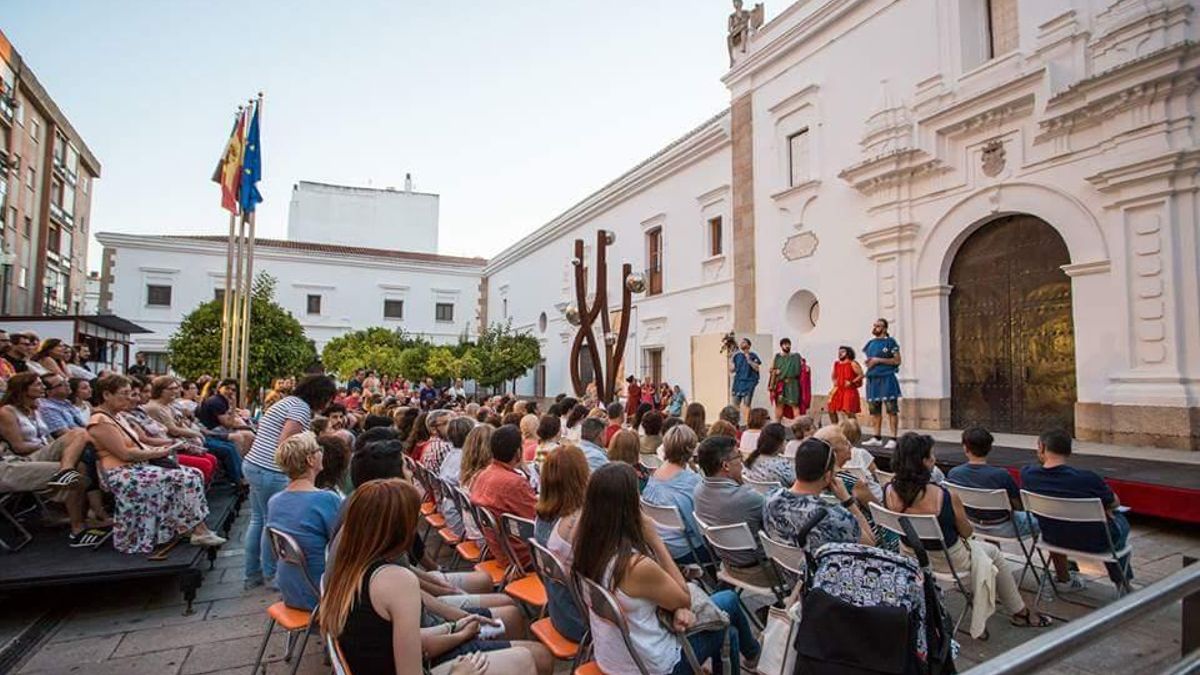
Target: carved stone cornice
x=892 y=169
x=1093 y=100
x=1085 y=268
x=890 y=240
x=1162 y=168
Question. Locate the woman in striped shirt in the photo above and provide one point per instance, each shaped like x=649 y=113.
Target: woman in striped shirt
x=287 y=417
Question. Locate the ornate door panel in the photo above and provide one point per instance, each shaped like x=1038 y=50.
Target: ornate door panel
x=1012 y=343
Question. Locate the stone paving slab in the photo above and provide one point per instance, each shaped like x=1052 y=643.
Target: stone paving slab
x=155 y=663
x=239 y=653
x=109 y=621
x=155 y=639
x=66 y=655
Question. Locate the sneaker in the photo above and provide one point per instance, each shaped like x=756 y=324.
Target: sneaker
x=251 y=584
x=890 y=445
x=64 y=478
x=90 y=538
x=1071 y=585
x=207 y=540
x=872 y=443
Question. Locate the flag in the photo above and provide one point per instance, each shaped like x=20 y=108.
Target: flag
x=248 y=195
x=229 y=168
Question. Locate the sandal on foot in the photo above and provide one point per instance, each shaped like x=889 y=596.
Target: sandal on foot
x=65 y=478
x=1026 y=620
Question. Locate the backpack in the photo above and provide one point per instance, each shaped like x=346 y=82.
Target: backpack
x=858 y=590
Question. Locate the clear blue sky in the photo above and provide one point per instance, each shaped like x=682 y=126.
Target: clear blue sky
x=510 y=111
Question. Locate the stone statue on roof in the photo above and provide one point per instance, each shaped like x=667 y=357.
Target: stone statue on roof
x=742 y=23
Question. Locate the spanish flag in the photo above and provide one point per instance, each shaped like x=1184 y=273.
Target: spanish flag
x=229 y=170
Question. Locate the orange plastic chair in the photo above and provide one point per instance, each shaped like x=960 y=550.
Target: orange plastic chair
x=288 y=552
x=589 y=668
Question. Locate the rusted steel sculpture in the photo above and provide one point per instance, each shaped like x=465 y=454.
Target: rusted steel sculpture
x=584 y=316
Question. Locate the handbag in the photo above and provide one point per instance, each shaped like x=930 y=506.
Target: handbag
x=778 y=655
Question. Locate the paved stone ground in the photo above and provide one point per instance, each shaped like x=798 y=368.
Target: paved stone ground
x=140 y=627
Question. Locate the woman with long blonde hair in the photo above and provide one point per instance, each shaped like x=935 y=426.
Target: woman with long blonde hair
x=372 y=607
x=477 y=454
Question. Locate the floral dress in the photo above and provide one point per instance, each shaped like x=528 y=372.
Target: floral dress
x=154 y=505
x=769 y=468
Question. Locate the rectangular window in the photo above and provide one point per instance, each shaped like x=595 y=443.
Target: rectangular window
x=393 y=309
x=52 y=238
x=31 y=178
x=22 y=277
x=314 y=304
x=219 y=295
x=798 y=162
x=653 y=366
x=28 y=226
x=715 y=245
x=654 y=261
x=1003 y=31
x=158 y=296
x=444 y=311
x=35 y=130
x=12 y=217
x=157 y=362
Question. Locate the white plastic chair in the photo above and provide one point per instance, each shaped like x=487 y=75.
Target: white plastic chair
x=884 y=477
x=928 y=530
x=1086 y=510
x=734 y=539
x=670 y=519
x=785 y=557
x=997 y=501
x=763 y=487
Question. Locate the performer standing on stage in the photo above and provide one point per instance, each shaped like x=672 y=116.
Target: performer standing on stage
x=847 y=378
x=744 y=364
x=883 y=388
x=784 y=383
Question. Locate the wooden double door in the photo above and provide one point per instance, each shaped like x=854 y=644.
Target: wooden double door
x=1012 y=339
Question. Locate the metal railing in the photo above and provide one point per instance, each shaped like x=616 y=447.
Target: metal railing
x=1061 y=642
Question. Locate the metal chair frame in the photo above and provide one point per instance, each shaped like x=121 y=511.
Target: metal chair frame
x=670 y=518
x=736 y=538
x=785 y=558
x=552 y=570
x=997 y=500
x=1076 y=510
x=604 y=605
x=288 y=552
x=927 y=530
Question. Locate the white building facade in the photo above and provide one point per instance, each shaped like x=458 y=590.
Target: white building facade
x=1011 y=183
x=154 y=281
x=399 y=220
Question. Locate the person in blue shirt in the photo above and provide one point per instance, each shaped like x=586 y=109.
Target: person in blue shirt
x=307 y=513
x=1053 y=477
x=744 y=364
x=591 y=434
x=977 y=473
x=883 y=388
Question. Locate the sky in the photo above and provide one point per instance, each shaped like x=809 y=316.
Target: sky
x=512 y=112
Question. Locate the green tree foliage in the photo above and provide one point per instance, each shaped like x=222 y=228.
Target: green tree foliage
x=504 y=354
x=373 y=348
x=278 y=346
x=414 y=362
x=443 y=364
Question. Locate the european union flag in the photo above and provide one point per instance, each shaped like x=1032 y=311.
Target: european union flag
x=248 y=196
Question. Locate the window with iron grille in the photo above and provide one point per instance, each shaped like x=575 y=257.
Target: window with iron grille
x=715 y=245
x=654 y=261
x=393 y=309
x=314 y=304
x=444 y=311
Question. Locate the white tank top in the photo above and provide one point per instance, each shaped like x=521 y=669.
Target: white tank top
x=33 y=429
x=657 y=648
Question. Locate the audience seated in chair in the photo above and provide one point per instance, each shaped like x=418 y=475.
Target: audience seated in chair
x=722 y=499
x=912 y=491
x=375 y=611
x=673 y=484
x=617 y=547
x=786 y=510
x=564 y=486
x=1053 y=476
x=591 y=433
x=767 y=463
x=502 y=489
x=154 y=504
x=306 y=512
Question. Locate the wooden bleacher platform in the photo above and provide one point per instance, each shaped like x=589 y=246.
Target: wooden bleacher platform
x=47 y=560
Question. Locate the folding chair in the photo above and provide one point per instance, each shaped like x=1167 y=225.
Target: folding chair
x=884 y=477
x=288 y=552
x=786 y=558
x=487 y=561
x=1087 y=510
x=650 y=462
x=552 y=571
x=524 y=586
x=927 y=530
x=733 y=539
x=669 y=518
x=606 y=608
x=762 y=487
x=465 y=549
x=997 y=501
x=336 y=657
x=442 y=491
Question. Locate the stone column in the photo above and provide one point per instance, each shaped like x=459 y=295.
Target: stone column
x=744 y=296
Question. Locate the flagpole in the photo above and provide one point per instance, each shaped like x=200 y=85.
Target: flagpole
x=249 y=294
x=226 y=303
x=236 y=309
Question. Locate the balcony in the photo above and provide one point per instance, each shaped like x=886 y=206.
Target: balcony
x=8 y=109
x=52 y=304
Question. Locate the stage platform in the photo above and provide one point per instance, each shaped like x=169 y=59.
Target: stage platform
x=1169 y=490
x=47 y=560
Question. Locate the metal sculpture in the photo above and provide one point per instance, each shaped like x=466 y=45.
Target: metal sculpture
x=584 y=315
